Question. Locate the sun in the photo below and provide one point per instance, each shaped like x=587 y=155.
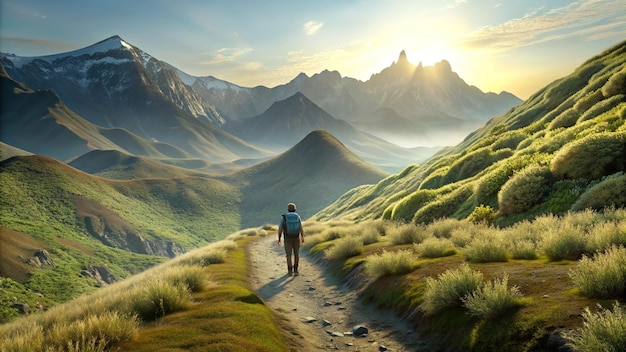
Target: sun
x=429 y=56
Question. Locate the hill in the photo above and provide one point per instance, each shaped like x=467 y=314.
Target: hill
x=114 y=164
x=311 y=174
x=89 y=226
x=287 y=122
x=540 y=157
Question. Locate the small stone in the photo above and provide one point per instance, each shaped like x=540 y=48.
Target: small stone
x=327 y=304
x=326 y=323
x=310 y=319
x=336 y=334
x=341 y=308
x=382 y=348
x=360 y=330
x=311 y=288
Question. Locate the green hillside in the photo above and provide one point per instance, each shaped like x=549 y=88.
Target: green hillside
x=312 y=174
x=85 y=222
x=563 y=149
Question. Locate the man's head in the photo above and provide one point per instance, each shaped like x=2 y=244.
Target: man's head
x=291 y=207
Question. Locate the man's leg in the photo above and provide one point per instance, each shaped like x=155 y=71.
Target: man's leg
x=296 y=256
x=288 y=250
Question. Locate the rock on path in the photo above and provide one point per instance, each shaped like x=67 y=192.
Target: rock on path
x=321 y=313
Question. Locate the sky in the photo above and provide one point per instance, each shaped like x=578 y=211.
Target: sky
x=518 y=46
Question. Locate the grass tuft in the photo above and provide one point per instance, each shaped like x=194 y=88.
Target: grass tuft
x=492 y=299
x=604 y=330
x=389 y=263
x=449 y=288
x=603 y=276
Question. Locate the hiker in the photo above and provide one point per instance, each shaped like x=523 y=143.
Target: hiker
x=291 y=227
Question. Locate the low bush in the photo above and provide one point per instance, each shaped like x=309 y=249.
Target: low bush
x=449 y=288
x=616 y=84
x=565 y=242
x=605 y=234
x=509 y=139
x=483 y=214
x=566 y=119
x=443 y=228
x=523 y=249
x=591 y=157
x=485 y=249
x=609 y=192
x=603 y=275
x=492 y=299
x=405 y=208
x=604 y=330
x=345 y=247
x=369 y=234
x=389 y=263
x=602 y=107
x=525 y=189
x=408 y=234
x=434 y=247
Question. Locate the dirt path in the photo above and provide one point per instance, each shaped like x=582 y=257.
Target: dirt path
x=316 y=306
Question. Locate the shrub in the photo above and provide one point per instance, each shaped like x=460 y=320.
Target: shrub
x=389 y=263
x=474 y=162
x=408 y=234
x=435 y=179
x=485 y=249
x=449 y=288
x=589 y=100
x=609 y=192
x=605 y=234
x=602 y=276
x=444 y=206
x=509 y=140
x=590 y=157
x=483 y=214
x=601 y=107
x=601 y=331
x=434 y=247
x=345 y=247
x=492 y=299
x=523 y=249
x=616 y=84
x=369 y=234
x=566 y=119
x=405 y=208
x=443 y=228
x=565 y=242
x=525 y=189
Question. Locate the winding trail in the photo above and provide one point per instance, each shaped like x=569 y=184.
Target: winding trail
x=315 y=305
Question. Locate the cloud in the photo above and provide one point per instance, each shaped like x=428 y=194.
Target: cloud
x=38 y=43
x=588 y=18
x=312 y=27
x=225 y=55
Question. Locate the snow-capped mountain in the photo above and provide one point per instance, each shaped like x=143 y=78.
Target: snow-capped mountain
x=113 y=84
x=113 y=70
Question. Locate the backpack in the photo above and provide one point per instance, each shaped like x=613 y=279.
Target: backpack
x=291 y=225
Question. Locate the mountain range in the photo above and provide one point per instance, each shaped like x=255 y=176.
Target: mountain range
x=115 y=85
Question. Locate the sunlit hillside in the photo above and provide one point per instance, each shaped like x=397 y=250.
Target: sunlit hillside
x=562 y=150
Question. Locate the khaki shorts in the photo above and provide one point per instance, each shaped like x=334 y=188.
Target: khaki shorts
x=292 y=245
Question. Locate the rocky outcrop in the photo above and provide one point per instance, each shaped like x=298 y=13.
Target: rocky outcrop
x=112 y=230
x=99 y=273
x=40 y=259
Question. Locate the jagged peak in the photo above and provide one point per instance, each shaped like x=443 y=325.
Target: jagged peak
x=403 y=59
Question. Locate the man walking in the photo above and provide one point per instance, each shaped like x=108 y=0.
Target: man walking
x=291 y=226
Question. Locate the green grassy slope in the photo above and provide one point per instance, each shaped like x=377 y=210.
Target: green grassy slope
x=84 y=220
x=561 y=150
